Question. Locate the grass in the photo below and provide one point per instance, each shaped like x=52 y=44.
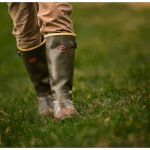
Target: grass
x=111 y=83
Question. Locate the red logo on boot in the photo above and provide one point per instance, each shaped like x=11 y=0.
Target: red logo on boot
x=32 y=59
x=62 y=48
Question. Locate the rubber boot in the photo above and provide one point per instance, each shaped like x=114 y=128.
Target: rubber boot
x=35 y=62
x=61 y=54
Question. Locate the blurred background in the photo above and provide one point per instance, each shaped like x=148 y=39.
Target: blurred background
x=111 y=82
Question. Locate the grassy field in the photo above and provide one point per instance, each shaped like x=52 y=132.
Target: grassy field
x=111 y=83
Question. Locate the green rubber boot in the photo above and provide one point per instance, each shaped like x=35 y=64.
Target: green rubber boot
x=35 y=62
x=61 y=54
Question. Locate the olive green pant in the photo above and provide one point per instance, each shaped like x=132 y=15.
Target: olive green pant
x=33 y=20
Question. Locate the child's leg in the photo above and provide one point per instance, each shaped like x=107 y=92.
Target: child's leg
x=32 y=49
x=60 y=45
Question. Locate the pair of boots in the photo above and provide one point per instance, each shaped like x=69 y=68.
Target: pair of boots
x=51 y=68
